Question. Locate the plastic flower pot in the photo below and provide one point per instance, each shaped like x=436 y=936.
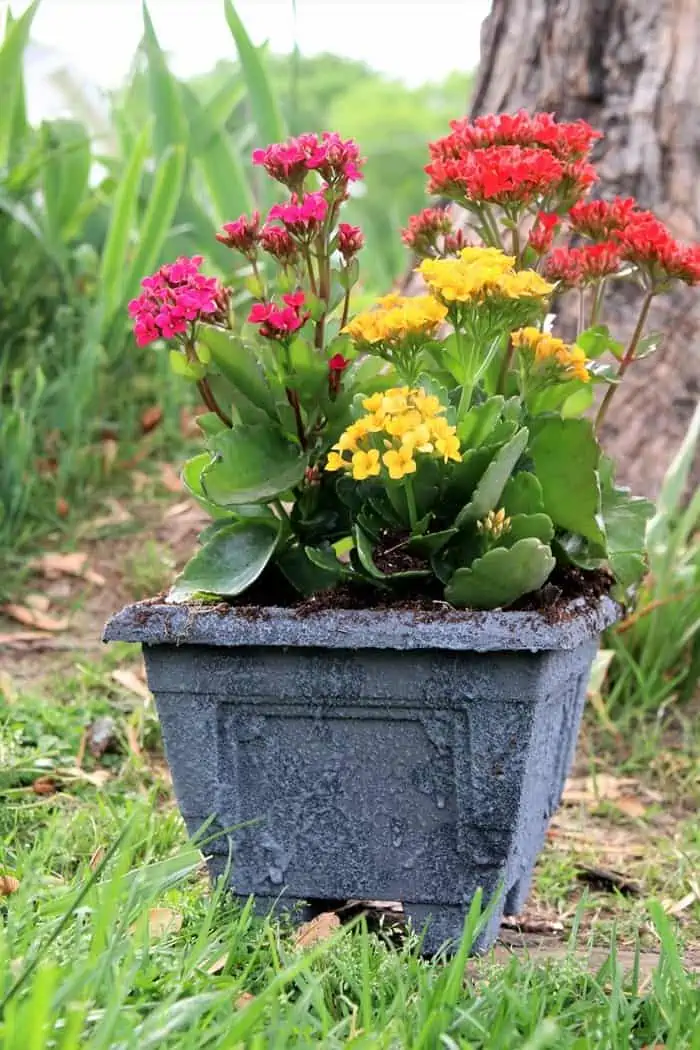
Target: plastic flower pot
x=380 y=755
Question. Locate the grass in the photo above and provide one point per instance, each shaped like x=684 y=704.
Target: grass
x=114 y=938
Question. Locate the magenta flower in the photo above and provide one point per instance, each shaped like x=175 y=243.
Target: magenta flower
x=174 y=299
x=277 y=242
x=287 y=162
x=280 y=322
x=336 y=160
x=350 y=240
x=302 y=218
x=242 y=235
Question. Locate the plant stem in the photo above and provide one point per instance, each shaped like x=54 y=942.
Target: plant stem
x=411 y=502
x=492 y=225
x=581 y=310
x=627 y=359
x=516 y=242
x=505 y=367
x=293 y=399
x=597 y=302
x=346 y=310
x=211 y=402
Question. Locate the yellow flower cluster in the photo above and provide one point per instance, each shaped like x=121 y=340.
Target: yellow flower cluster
x=396 y=318
x=548 y=348
x=494 y=524
x=402 y=421
x=480 y=273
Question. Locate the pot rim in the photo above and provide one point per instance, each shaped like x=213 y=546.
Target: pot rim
x=155 y=622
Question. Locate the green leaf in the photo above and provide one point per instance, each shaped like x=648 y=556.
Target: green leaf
x=648 y=345
x=597 y=341
x=252 y=464
x=11 y=80
x=476 y=425
x=490 y=488
x=431 y=543
x=522 y=526
x=501 y=576
x=65 y=174
x=324 y=558
x=170 y=120
x=522 y=495
x=305 y=575
x=121 y=227
x=219 y=162
x=238 y=363
x=192 y=480
x=20 y=125
x=566 y=455
x=625 y=518
x=232 y=559
x=263 y=101
x=158 y=219
x=579 y=402
x=180 y=366
x=363 y=547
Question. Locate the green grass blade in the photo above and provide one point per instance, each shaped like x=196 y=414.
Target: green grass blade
x=219 y=164
x=263 y=103
x=167 y=190
x=166 y=104
x=11 y=76
x=20 y=124
x=123 y=221
x=65 y=177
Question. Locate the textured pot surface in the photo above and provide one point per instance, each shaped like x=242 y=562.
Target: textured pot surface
x=373 y=755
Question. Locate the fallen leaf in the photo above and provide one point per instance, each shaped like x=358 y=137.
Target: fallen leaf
x=132 y=739
x=8 y=689
x=102 y=736
x=525 y=924
x=62 y=507
x=178 y=508
x=19 y=639
x=170 y=478
x=162 y=921
x=243 y=1000
x=139 y=481
x=8 y=884
x=676 y=907
x=631 y=806
x=129 y=680
x=602 y=787
x=218 y=966
x=317 y=930
x=150 y=418
x=33 y=618
x=38 y=602
x=118 y=515
x=110 y=449
x=54 y=565
x=45 y=786
x=97 y=778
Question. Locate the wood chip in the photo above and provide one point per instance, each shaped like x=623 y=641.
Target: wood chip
x=45 y=786
x=319 y=929
x=34 y=618
x=8 y=689
x=243 y=1000
x=631 y=806
x=675 y=908
x=218 y=966
x=37 y=602
x=8 y=885
x=170 y=478
x=151 y=417
x=608 y=880
x=528 y=924
x=97 y=778
x=130 y=681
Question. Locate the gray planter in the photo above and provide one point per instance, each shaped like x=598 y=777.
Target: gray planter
x=378 y=755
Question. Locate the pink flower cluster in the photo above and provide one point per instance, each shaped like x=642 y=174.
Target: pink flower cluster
x=336 y=160
x=174 y=298
x=302 y=216
x=243 y=234
x=280 y=322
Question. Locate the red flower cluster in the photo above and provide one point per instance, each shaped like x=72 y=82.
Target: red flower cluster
x=567 y=141
x=543 y=232
x=600 y=219
x=350 y=240
x=648 y=243
x=575 y=267
x=302 y=216
x=280 y=322
x=425 y=229
x=174 y=298
x=336 y=160
x=498 y=174
x=278 y=243
x=243 y=235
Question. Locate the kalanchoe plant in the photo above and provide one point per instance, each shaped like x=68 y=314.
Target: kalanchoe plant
x=435 y=446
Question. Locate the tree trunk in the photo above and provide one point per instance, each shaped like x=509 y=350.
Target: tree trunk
x=630 y=68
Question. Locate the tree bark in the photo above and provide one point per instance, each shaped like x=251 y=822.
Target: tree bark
x=630 y=68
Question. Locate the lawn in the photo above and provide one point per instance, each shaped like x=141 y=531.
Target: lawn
x=113 y=937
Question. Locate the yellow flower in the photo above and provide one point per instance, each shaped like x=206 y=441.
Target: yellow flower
x=396 y=318
x=524 y=284
x=479 y=273
x=546 y=347
x=419 y=438
x=373 y=403
x=427 y=404
x=574 y=360
x=336 y=462
x=349 y=438
x=365 y=464
x=399 y=462
x=448 y=447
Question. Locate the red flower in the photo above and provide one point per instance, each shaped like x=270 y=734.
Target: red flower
x=543 y=232
x=278 y=243
x=243 y=235
x=575 y=267
x=336 y=367
x=599 y=219
x=648 y=243
x=499 y=174
x=279 y=322
x=350 y=240
x=567 y=141
x=174 y=299
x=425 y=229
x=338 y=363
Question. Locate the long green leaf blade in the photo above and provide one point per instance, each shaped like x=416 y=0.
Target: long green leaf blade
x=123 y=221
x=11 y=82
x=220 y=165
x=159 y=216
x=263 y=103
x=166 y=104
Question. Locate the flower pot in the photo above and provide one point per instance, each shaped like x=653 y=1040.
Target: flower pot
x=387 y=755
